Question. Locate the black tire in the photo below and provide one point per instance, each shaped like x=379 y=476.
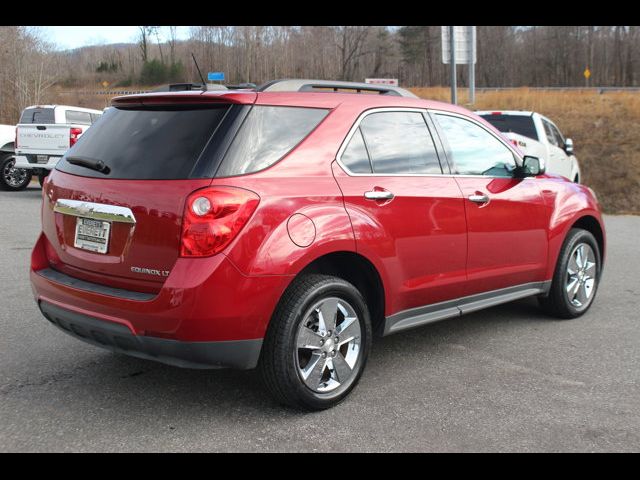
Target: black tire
x=8 y=179
x=279 y=358
x=557 y=303
x=41 y=178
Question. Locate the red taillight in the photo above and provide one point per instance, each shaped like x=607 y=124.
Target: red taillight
x=73 y=138
x=213 y=216
x=496 y=113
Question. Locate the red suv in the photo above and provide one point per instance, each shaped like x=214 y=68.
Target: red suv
x=284 y=226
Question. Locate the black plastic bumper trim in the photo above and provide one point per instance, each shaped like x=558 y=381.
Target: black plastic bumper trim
x=59 y=277
x=241 y=354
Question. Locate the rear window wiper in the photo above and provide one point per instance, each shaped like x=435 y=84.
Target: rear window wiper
x=87 y=162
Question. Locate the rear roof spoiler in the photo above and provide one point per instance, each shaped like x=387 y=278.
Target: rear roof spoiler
x=298 y=85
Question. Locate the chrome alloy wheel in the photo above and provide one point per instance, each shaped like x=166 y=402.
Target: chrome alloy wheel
x=581 y=275
x=328 y=345
x=14 y=177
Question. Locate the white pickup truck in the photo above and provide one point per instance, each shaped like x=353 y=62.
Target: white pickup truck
x=536 y=135
x=11 y=178
x=45 y=133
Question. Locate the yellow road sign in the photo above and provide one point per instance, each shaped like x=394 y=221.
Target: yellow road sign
x=587 y=73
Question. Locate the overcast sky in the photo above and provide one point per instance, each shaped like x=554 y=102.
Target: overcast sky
x=73 y=37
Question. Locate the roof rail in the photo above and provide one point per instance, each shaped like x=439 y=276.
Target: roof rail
x=298 y=85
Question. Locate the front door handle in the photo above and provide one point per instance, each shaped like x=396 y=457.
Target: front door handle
x=378 y=195
x=479 y=198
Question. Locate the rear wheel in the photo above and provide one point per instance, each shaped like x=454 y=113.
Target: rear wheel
x=576 y=278
x=11 y=178
x=317 y=344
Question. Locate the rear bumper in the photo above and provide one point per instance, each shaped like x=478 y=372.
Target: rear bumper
x=205 y=309
x=22 y=161
x=241 y=354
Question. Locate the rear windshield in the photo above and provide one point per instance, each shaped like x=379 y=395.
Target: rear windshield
x=520 y=124
x=38 y=115
x=74 y=116
x=163 y=143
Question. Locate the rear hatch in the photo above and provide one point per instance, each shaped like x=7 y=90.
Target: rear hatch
x=114 y=205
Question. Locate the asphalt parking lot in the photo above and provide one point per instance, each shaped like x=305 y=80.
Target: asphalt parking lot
x=505 y=379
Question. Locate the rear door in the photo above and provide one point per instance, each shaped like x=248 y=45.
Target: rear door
x=506 y=216
x=405 y=212
x=152 y=160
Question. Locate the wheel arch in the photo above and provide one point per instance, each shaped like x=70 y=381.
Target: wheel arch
x=359 y=271
x=8 y=148
x=592 y=225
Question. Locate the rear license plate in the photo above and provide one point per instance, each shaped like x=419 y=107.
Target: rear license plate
x=42 y=158
x=92 y=235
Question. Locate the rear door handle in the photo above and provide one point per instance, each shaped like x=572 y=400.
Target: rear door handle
x=378 y=195
x=479 y=198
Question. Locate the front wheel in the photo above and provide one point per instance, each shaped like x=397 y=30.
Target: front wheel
x=576 y=277
x=317 y=344
x=12 y=178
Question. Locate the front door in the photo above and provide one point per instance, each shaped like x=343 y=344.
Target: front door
x=506 y=216
x=407 y=216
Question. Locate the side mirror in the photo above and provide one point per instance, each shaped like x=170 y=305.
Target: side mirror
x=532 y=166
x=568 y=146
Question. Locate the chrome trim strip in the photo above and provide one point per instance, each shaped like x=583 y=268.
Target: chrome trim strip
x=98 y=211
x=424 y=111
x=418 y=316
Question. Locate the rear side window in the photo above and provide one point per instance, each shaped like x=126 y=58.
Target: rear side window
x=82 y=118
x=400 y=143
x=355 y=156
x=163 y=143
x=268 y=134
x=520 y=124
x=38 y=115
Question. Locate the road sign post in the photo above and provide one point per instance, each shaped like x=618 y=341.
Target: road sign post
x=452 y=48
x=459 y=47
x=587 y=75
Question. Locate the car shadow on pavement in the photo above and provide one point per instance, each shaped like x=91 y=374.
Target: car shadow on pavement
x=113 y=380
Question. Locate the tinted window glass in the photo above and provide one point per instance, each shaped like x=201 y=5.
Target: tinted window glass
x=549 y=132
x=475 y=151
x=146 y=144
x=83 y=118
x=399 y=142
x=557 y=135
x=355 y=156
x=267 y=135
x=520 y=124
x=38 y=115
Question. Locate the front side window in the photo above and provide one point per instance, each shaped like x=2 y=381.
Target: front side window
x=548 y=130
x=474 y=150
x=399 y=143
x=558 y=136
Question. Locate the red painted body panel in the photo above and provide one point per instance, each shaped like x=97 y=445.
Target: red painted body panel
x=507 y=237
x=204 y=299
x=429 y=244
x=417 y=240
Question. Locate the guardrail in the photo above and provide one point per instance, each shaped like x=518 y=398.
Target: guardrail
x=560 y=89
